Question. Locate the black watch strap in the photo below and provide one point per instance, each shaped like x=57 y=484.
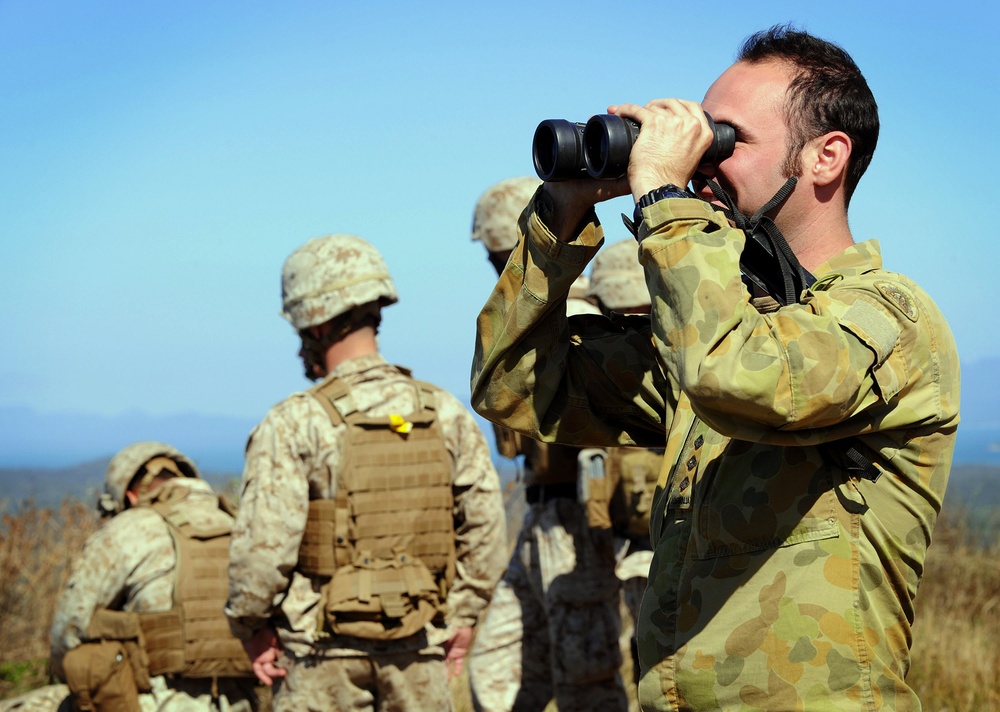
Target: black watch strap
x=656 y=194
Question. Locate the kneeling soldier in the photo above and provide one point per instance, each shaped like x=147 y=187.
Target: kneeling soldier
x=140 y=624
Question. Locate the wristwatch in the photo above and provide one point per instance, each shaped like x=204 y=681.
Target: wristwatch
x=664 y=191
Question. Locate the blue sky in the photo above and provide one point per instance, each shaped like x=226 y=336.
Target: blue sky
x=158 y=162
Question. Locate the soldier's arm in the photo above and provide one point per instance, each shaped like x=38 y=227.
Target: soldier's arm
x=97 y=581
x=794 y=376
x=480 y=524
x=269 y=525
x=557 y=379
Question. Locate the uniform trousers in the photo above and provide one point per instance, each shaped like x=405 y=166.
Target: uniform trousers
x=551 y=630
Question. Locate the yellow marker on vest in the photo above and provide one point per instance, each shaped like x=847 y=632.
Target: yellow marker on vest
x=400 y=424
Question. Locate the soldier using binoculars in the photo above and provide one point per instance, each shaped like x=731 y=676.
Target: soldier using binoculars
x=808 y=427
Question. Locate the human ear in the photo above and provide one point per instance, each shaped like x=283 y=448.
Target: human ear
x=826 y=157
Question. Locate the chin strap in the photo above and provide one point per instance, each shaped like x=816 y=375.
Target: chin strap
x=768 y=264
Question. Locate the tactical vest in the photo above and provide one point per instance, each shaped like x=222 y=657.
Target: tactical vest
x=193 y=638
x=383 y=549
x=635 y=471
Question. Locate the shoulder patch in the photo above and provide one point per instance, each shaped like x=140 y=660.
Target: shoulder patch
x=873 y=325
x=899 y=297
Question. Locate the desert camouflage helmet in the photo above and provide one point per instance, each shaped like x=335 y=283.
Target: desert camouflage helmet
x=329 y=276
x=494 y=221
x=617 y=279
x=130 y=461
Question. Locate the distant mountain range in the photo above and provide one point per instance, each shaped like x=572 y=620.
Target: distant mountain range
x=47 y=487
x=63 y=442
x=58 y=440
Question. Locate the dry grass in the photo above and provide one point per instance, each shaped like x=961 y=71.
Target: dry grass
x=36 y=549
x=956 y=655
x=956 y=651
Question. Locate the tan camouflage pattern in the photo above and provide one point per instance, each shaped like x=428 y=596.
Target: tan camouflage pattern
x=50 y=698
x=617 y=279
x=633 y=572
x=405 y=681
x=580 y=304
x=551 y=631
x=328 y=276
x=494 y=220
x=778 y=581
x=129 y=564
x=128 y=461
x=293 y=456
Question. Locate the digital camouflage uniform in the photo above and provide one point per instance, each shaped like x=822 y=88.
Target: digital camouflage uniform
x=296 y=455
x=551 y=631
x=50 y=698
x=130 y=564
x=293 y=456
x=779 y=580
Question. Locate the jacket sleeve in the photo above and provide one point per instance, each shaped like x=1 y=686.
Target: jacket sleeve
x=480 y=522
x=576 y=380
x=102 y=575
x=269 y=525
x=821 y=370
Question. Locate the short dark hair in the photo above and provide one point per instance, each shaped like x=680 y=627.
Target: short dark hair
x=827 y=93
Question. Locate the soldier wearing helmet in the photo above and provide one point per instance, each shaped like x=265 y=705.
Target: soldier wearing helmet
x=552 y=629
x=494 y=223
x=140 y=621
x=371 y=532
x=618 y=287
x=617 y=282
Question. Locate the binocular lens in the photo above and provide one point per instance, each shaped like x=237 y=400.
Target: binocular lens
x=562 y=150
x=607 y=143
x=557 y=150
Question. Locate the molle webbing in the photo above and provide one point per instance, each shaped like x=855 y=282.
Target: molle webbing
x=193 y=639
x=393 y=493
x=636 y=471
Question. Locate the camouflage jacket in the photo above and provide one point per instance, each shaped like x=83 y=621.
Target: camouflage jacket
x=293 y=457
x=126 y=565
x=779 y=579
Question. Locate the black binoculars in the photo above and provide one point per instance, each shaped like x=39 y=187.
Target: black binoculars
x=600 y=148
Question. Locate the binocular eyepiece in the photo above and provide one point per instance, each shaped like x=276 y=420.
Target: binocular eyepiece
x=600 y=148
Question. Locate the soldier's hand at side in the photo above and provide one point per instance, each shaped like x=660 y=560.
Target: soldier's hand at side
x=455 y=650
x=263 y=649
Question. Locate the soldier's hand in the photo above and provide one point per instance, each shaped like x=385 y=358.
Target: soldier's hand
x=263 y=649
x=673 y=138
x=455 y=650
x=573 y=199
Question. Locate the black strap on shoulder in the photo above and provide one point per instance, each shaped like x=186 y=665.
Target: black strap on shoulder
x=767 y=264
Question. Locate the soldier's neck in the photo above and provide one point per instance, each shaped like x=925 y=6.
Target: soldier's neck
x=362 y=342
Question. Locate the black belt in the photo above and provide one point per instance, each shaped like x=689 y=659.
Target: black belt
x=535 y=494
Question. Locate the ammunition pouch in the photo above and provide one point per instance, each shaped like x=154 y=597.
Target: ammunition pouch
x=617 y=486
x=381 y=598
x=595 y=486
x=107 y=673
x=508 y=442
